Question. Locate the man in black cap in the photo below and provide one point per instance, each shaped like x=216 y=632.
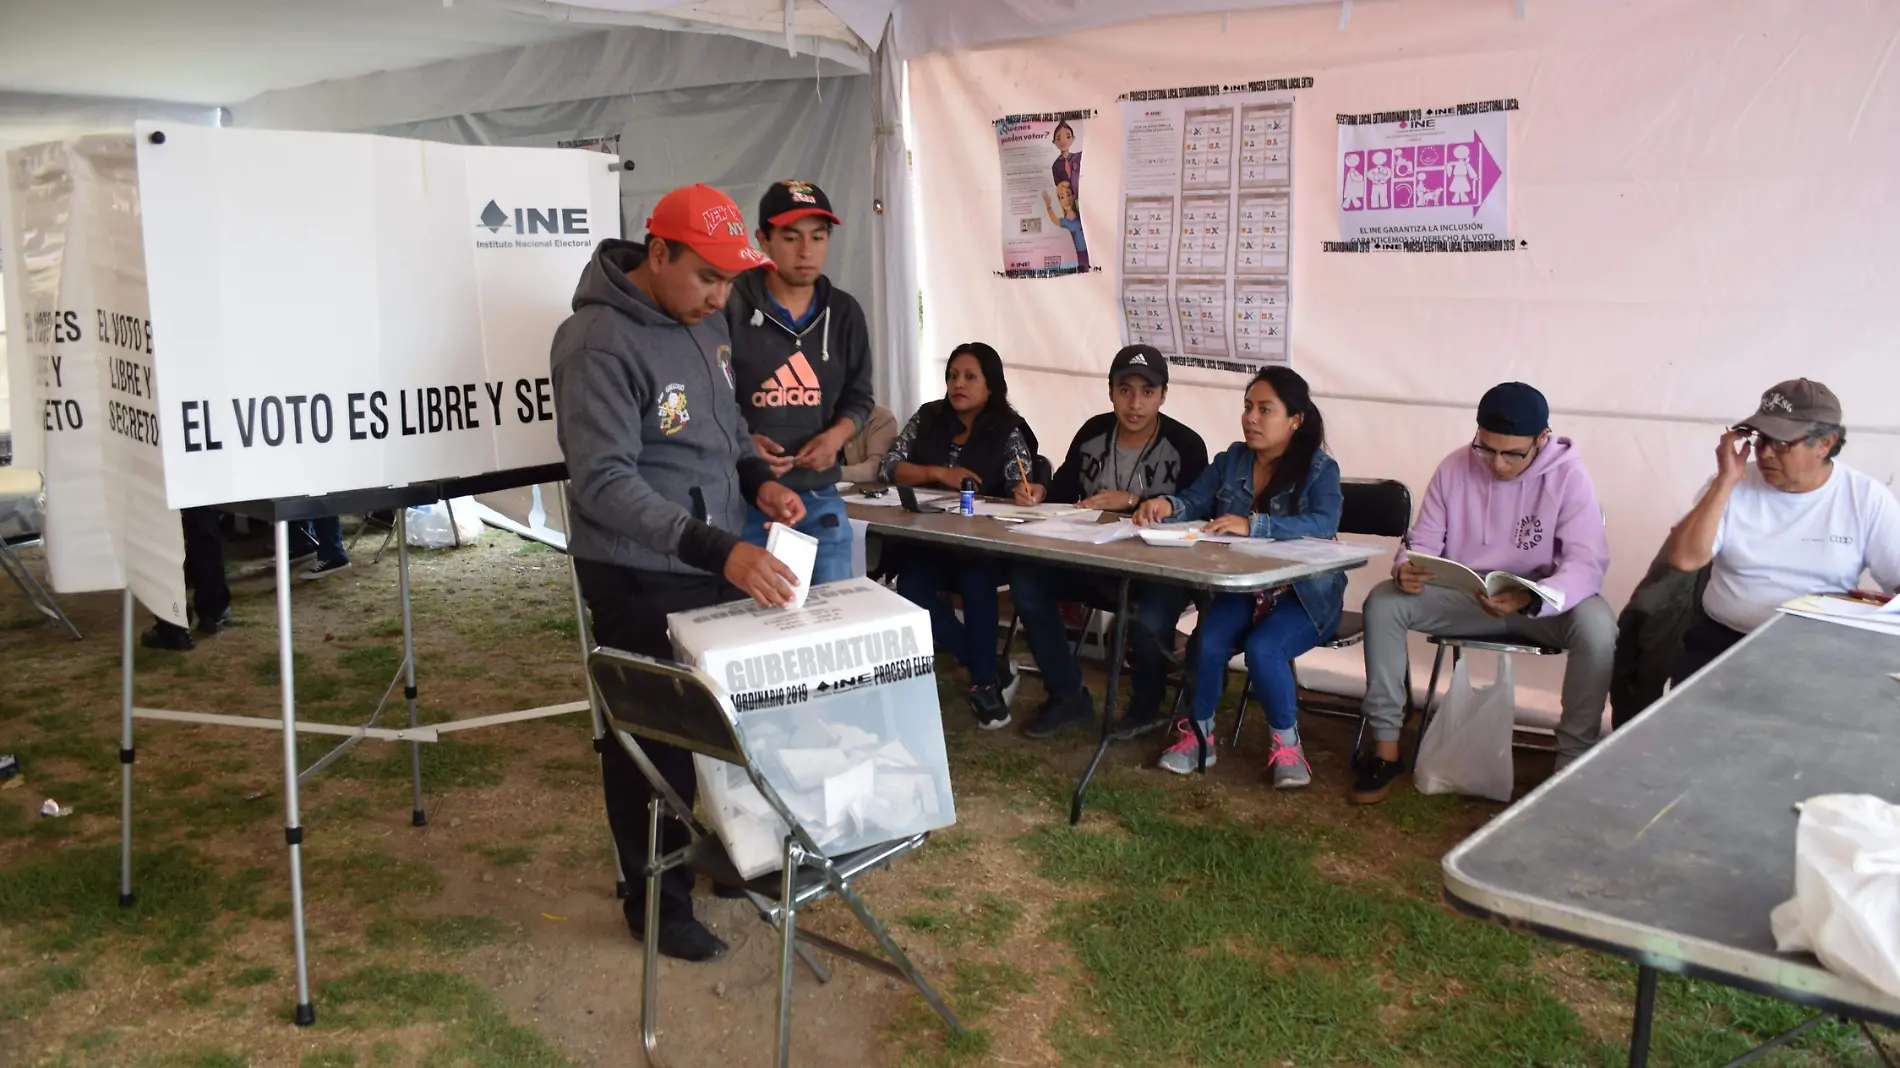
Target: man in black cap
x=801 y=353
x=1516 y=500
x=1117 y=460
x=1794 y=522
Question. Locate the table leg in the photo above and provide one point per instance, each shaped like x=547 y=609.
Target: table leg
x=127 y=625
x=293 y=825
x=1645 y=1014
x=1116 y=650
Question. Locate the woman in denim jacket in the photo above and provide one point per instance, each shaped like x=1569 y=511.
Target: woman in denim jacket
x=1299 y=497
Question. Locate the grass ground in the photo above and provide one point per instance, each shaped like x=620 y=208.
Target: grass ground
x=1203 y=921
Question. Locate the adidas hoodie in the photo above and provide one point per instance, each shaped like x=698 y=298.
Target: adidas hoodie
x=794 y=384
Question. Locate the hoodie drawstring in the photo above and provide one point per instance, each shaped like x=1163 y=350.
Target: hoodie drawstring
x=824 y=336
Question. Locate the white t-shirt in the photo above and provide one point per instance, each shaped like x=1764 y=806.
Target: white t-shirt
x=1774 y=546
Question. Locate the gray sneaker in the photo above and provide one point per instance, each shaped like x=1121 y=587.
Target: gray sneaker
x=1183 y=756
x=1288 y=766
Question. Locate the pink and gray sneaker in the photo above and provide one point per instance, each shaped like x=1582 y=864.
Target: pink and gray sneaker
x=1287 y=764
x=1183 y=755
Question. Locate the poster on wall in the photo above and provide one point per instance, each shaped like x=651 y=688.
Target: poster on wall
x=1041 y=158
x=1207 y=224
x=1424 y=180
x=81 y=353
x=406 y=339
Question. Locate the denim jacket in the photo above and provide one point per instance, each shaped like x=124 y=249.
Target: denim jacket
x=1226 y=488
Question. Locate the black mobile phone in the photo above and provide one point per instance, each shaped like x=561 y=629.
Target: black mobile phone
x=908 y=497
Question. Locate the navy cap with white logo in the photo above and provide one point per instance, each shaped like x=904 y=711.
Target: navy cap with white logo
x=1143 y=360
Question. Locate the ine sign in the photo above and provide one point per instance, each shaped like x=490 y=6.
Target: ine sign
x=342 y=311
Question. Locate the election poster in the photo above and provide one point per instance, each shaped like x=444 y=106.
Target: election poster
x=1207 y=224
x=346 y=311
x=1043 y=233
x=1424 y=180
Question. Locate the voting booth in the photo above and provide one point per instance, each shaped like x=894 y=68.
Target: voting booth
x=350 y=323
x=838 y=701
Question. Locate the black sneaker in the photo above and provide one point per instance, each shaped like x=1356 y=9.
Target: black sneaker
x=1143 y=716
x=168 y=636
x=213 y=625
x=686 y=940
x=728 y=893
x=1060 y=713
x=322 y=569
x=987 y=702
x=1373 y=780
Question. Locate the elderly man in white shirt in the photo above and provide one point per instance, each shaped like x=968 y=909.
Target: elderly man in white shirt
x=1794 y=522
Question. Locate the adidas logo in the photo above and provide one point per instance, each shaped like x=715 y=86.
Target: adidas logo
x=792 y=386
x=1138 y=358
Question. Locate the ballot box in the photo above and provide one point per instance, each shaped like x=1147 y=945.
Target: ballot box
x=837 y=702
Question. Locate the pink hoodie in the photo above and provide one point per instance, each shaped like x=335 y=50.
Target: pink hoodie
x=1545 y=524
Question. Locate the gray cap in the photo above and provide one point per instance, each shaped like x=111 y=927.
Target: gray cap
x=1788 y=411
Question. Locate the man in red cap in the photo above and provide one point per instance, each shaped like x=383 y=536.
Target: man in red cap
x=661 y=473
x=801 y=348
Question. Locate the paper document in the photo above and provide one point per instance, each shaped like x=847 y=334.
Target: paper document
x=1010 y=510
x=1088 y=532
x=1309 y=550
x=1455 y=576
x=796 y=551
x=1882 y=619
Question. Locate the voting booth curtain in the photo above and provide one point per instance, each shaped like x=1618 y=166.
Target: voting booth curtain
x=1704 y=189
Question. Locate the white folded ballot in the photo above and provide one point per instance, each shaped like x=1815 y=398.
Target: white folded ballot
x=798 y=551
x=838 y=704
x=1455 y=576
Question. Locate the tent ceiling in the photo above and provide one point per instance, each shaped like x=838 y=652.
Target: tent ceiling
x=225 y=51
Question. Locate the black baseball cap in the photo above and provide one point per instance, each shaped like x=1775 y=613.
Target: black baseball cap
x=787 y=202
x=1515 y=409
x=1143 y=360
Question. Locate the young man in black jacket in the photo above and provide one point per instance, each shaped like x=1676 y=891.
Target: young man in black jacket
x=802 y=352
x=661 y=473
x=1117 y=460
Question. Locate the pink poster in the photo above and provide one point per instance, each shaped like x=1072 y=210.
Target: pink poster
x=1432 y=177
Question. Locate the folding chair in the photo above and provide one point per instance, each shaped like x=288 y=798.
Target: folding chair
x=389 y=535
x=672 y=703
x=1380 y=508
x=20 y=529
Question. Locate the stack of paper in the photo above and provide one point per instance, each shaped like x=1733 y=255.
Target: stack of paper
x=1088 y=532
x=1882 y=619
x=1008 y=510
x=1308 y=550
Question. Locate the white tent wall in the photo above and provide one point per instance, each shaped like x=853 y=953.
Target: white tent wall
x=1705 y=186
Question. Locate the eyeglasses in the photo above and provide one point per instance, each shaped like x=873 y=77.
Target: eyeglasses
x=1487 y=453
x=1764 y=443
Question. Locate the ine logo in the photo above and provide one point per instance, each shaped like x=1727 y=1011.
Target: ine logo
x=528 y=221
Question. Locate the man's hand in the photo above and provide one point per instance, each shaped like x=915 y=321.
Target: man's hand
x=1508 y=603
x=1112 y=500
x=1029 y=494
x=1152 y=511
x=953 y=477
x=1412 y=578
x=760 y=575
x=1731 y=458
x=774 y=456
x=781 y=505
x=1229 y=524
x=822 y=451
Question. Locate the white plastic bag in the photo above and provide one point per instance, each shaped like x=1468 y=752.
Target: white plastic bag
x=1468 y=749
x=1846 y=904
x=430 y=526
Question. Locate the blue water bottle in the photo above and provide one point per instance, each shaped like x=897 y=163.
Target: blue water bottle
x=966 y=504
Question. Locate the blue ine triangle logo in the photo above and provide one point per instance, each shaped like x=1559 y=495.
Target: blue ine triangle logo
x=493 y=217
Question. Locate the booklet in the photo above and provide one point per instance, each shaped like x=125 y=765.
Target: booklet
x=1455 y=576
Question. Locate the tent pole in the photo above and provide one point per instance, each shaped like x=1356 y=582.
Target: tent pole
x=293 y=829
x=593 y=698
x=125 y=749
x=417 y=817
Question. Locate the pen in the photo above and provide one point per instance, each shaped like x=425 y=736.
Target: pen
x=1870 y=597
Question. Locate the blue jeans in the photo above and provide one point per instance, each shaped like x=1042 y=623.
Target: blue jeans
x=324 y=536
x=1038 y=593
x=824 y=520
x=972 y=640
x=1227 y=627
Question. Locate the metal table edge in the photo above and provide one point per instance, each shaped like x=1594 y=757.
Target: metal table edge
x=1790 y=980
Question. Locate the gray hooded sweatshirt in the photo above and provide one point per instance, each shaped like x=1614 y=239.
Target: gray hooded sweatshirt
x=657 y=453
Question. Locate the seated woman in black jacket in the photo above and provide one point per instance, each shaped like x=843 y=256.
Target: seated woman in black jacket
x=972 y=433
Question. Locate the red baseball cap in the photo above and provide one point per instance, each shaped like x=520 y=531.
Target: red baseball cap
x=708 y=222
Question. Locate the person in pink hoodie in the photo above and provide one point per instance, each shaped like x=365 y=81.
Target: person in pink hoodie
x=1516 y=500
